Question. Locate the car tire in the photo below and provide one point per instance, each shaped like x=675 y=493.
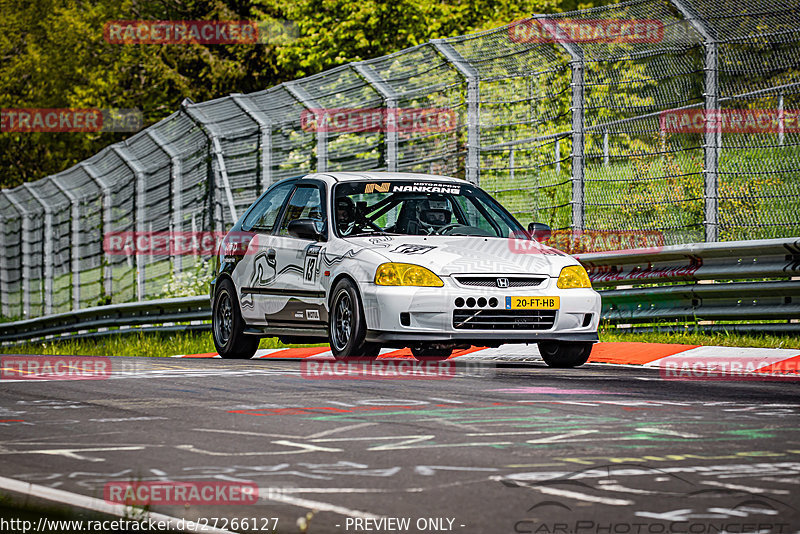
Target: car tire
x=347 y=327
x=227 y=325
x=564 y=354
x=428 y=354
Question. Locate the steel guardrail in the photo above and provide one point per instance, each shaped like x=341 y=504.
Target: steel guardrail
x=702 y=283
x=149 y=314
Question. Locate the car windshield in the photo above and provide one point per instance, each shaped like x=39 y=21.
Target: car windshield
x=419 y=208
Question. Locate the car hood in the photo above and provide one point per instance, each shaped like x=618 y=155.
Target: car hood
x=446 y=255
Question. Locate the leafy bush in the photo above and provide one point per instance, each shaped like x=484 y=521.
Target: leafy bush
x=190 y=283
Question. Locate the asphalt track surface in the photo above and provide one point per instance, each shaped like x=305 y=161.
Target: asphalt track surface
x=515 y=448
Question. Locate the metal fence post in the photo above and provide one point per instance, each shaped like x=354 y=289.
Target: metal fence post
x=74 y=245
x=781 y=120
x=105 y=187
x=713 y=124
x=390 y=103
x=26 y=252
x=713 y=135
x=578 y=123
x=302 y=96
x=176 y=175
x=557 y=154
x=264 y=138
x=472 y=77
x=3 y=270
x=216 y=148
x=47 y=260
x=131 y=162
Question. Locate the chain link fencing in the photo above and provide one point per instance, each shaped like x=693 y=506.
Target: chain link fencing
x=670 y=116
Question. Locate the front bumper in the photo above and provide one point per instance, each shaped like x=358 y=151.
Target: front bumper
x=428 y=314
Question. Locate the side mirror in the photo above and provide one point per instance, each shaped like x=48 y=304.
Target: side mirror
x=539 y=231
x=304 y=229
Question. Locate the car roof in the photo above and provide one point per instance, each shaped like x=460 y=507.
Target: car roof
x=358 y=176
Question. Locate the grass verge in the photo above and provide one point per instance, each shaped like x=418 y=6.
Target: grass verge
x=133 y=344
x=690 y=337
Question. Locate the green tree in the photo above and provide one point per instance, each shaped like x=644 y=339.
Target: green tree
x=54 y=55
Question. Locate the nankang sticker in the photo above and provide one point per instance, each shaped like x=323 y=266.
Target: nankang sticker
x=427 y=188
x=412 y=249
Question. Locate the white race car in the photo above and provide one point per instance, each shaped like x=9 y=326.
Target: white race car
x=371 y=260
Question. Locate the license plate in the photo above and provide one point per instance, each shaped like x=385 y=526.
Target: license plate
x=533 y=303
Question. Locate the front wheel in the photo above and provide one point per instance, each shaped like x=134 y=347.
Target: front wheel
x=227 y=325
x=348 y=328
x=565 y=354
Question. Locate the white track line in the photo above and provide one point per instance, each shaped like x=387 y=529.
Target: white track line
x=99 y=505
x=317 y=505
x=758 y=357
x=582 y=496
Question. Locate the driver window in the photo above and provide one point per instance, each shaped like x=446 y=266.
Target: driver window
x=263 y=216
x=305 y=203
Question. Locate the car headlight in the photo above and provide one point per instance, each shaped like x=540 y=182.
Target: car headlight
x=405 y=274
x=572 y=277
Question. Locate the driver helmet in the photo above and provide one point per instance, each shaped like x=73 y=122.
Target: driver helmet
x=435 y=212
x=345 y=214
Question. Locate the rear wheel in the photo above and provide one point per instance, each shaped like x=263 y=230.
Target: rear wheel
x=429 y=354
x=565 y=354
x=348 y=328
x=227 y=325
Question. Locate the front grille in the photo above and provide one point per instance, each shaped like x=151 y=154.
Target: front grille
x=504 y=319
x=491 y=281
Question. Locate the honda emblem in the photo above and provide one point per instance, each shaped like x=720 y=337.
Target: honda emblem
x=502 y=282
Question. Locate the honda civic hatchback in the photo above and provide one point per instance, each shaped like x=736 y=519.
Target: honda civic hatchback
x=366 y=261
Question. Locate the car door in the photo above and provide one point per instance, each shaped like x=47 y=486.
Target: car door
x=255 y=274
x=298 y=260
